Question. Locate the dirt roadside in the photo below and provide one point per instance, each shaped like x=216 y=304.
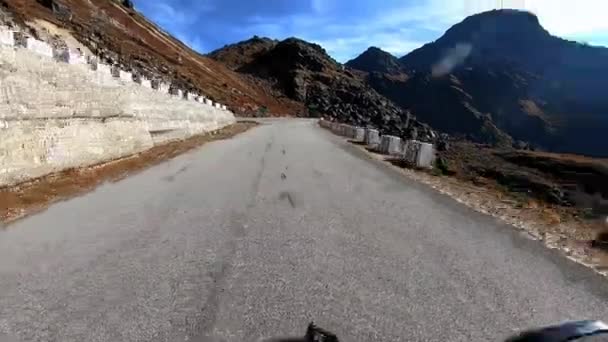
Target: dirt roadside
x=35 y=195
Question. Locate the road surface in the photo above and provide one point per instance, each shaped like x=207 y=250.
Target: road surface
x=258 y=235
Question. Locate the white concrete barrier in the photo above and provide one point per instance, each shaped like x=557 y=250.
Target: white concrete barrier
x=359 y=134
x=339 y=129
x=7 y=36
x=39 y=47
x=348 y=131
x=69 y=56
x=125 y=76
x=410 y=151
x=137 y=78
x=391 y=145
x=208 y=102
x=426 y=155
x=104 y=76
x=115 y=70
x=336 y=127
x=93 y=62
x=92 y=59
x=176 y=93
x=146 y=83
x=372 y=138
x=164 y=87
x=419 y=154
x=76 y=57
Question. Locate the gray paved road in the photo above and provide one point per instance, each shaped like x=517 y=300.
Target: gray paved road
x=258 y=235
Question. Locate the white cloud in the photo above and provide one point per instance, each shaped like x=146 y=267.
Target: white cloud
x=399 y=47
x=193 y=42
x=168 y=15
x=395 y=26
x=319 y=6
x=454 y=57
x=563 y=18
x=571 y=18
x=342 y=48
x=176 y=19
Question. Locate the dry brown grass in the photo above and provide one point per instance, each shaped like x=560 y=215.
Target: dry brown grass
x=35 y=195
x=569 y=157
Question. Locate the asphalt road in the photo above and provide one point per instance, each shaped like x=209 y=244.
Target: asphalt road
x=258 y=235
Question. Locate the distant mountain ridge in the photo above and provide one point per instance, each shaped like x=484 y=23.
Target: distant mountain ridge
x=502 y=68
x=304 y=72
x=497 y=77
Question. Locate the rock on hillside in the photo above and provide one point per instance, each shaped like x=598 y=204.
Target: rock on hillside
x=122 y=35
x=500 y=73
x=304 y=72
x=376 y=60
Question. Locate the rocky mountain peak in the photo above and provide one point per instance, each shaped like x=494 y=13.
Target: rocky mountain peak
x=375 y=60
x=498 y=35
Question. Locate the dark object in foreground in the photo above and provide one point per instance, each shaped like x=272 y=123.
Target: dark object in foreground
x=316 y=334
x=313 y=334
x=601 y=241
x=568 y=331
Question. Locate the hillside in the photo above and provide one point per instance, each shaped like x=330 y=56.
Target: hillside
x=500 y=74
x=239 y=54
x=122 y=35
x=305 y=73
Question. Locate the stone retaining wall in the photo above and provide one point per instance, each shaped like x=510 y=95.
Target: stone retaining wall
x=61 y=114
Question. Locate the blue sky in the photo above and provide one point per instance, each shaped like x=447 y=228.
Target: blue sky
x=346 y=28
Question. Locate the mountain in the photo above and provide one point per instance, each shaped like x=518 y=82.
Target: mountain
x=499 y=75
x=118 y=33
x=304 y=72
x=376 y=60
x=236 y=55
